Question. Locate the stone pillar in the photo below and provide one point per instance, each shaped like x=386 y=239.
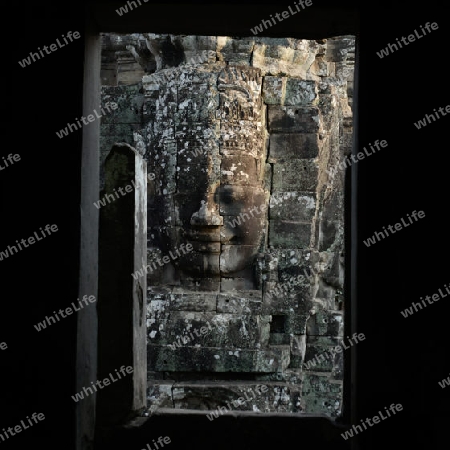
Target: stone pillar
x=122 y=250
x=86 y=355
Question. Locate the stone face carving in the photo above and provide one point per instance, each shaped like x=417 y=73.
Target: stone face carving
x=240 y=136
x=209 y=151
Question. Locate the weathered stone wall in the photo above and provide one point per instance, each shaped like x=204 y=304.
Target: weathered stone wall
x=227 y=124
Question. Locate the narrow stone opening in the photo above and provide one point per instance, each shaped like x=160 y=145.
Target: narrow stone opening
x=245 y=141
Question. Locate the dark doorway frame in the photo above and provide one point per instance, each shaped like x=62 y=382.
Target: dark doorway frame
x=324 y=21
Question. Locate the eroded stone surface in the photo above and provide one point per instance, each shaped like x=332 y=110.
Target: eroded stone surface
x=240 y=136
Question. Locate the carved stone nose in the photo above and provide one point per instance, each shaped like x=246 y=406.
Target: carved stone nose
x=207 y=215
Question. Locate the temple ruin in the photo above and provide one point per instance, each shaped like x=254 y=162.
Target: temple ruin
x=244 y=263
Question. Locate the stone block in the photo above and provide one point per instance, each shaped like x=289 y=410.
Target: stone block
x=200 y=302
x=241 y=396
x=197 y=103
x=199 y=56
x=235 y=200
x=292 y=376
x=279 y=339
x=206 y=247
x=197 y=178
x=200 y=284
x=116 y=132
x=159 y=395
x=234 y=51
x=296 y=323
x=210 y=234
x=239 y=105
x=289 y=234
x=129 y=102
x=326 y=323
x=322 y=68
x=196 y=134
x=273 y=88
x=193 y=329
x=236 y=284
x=331 y=235
x=295 y=206
x=231 y=253
x=240 y=302
x=158 y=308
x=296 y=362
x=235 y=396
x=322 y=395
x=284 y=147
x=240 y=230
x=242 y=138
x=297 y=175
x=204 y=262
x=329 y=109
x=290 y=265
x=209 y=359
x=338 y=49
x=241 y=78
x=240 y=170
x=163 y=166
x=277 y=358
x=293 y=119
x=322 y=356
x=199 y=151
x=298 y=345
x=197 y=43
x=284 y=298
x=285 y=56
x=300 y=92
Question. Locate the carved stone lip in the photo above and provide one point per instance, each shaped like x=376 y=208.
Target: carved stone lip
x=204 y=239
x=203 y=234
x=206 y=247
